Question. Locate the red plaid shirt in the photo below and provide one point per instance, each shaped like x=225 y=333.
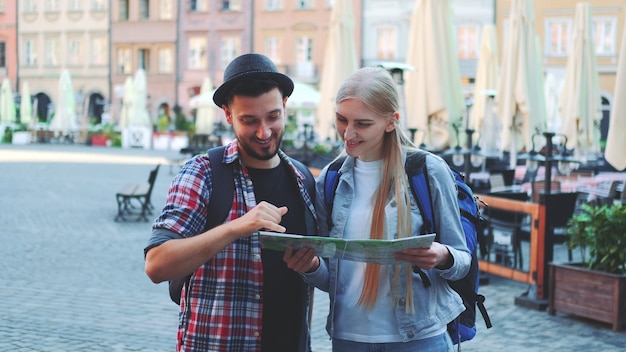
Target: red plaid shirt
x=223 y=311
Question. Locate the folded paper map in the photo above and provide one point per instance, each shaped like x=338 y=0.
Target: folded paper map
x=370 y=251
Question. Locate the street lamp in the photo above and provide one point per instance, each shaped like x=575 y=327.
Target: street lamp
x=396 y=69
x=563 y=157
x=469 y=157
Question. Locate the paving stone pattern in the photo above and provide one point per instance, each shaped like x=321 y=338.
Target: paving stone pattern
x=72 y=279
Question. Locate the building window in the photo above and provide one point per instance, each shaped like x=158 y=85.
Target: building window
x=143 y=59
x=272 y=49
x=304 y=57
x=304 y=4
x=52 y=52
x=304 y=49
x=386 y=43
x=468 y=42
x=144 y=9
x=51 y=6
x=232 y=5
x=604 y=35
x=124 y=64
x=273 y=5
x=29 y=6
x=99 y=51
x=166 y=60
x=30 y=52
x=73 y=5
x=74 y=51
x=557 y=36
x=166 y=11
x=123 y=10
x=197 y=58
x=99 y=5
x=230 y=47
x=3 y=54
x=1 y=6
x=199 y=5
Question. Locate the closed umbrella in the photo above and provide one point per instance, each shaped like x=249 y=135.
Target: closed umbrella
x=7 y=103
x=205 y=108
x=26 y=106
x=520 y=98
x=434 y=95
x=64 y=120
x=552 y=91
x=615 y=151
x=140 y=116
x=483 y=118
x=339 y=62
x=580 y=102
x=127 y=102
x=303 y=102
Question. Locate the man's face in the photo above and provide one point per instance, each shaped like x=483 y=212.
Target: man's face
x=259 y=125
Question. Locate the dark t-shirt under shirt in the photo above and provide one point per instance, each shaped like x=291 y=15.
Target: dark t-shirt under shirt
x=282 y=287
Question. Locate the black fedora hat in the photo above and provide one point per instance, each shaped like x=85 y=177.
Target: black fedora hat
x=250 y=66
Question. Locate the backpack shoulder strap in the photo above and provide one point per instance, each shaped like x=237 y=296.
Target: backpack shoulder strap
x=415 y=167
x=219 y=205
x=309 y=181
x=221 y=199
x=330 y=186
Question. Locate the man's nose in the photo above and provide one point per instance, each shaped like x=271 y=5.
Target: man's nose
x=263 y=131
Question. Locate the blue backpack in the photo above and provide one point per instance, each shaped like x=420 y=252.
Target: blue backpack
x=462 y=328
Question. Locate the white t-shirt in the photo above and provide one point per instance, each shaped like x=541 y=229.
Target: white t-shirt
x=352 y=321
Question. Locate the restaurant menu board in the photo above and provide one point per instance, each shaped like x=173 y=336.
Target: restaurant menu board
x=369 y=251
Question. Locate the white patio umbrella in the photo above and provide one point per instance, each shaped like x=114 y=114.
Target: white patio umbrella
x=303 y=103
x=580 y=103
x=140 y=116
x=520 y=97
x=483 y=118
x=434 y=97
x=26 y=106
x=64 y=119
x=303 y=96
x=615 y=150
x=205 y=108
x=127 y=102
x=7 y=103
x=339 y=62
x=553 y=90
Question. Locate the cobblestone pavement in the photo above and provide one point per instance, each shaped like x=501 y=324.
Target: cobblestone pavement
x=72 y=279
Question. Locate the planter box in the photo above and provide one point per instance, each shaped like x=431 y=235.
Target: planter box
x=161 y=141
x=179 y=142
x=587 y=293
x=22 y=137
x=99 y=140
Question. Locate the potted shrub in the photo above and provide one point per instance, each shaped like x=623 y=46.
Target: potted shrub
x=595 y=288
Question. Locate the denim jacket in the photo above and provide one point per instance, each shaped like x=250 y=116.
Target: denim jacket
x=435 y=306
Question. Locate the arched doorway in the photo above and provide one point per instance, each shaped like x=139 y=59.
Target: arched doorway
x=43 y=106
x=95 y=108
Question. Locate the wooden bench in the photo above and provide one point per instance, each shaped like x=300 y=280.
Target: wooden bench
x=141 y=193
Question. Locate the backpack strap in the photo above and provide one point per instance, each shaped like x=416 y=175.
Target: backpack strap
x=309 y=182
x=221 y=199
x=219 y=206
x=331 y=181
x=415 y=167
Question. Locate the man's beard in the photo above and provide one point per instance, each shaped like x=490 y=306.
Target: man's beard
x=268 y=152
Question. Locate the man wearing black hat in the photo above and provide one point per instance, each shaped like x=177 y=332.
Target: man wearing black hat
x=240 y=297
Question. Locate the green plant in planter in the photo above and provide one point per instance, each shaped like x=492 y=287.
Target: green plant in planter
x=602 y=231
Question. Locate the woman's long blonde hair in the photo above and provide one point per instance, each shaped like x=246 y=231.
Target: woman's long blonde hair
x=375 y=87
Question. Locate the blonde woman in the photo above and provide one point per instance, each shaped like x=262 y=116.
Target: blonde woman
x=385 y=307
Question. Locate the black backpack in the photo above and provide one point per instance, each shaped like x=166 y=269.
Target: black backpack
x=464 y=327
x=221 y=202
